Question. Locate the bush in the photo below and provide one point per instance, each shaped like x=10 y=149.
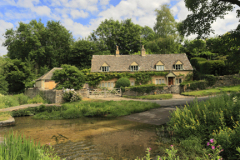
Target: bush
x=8 y=101
x=122 y=82
x=21 y=98
x=212 y=67
x=146 y=88
x=71 y=96
x=211 y=79
x=194 y=85
x=36 y=99
x=195 y=62
x=216 y=118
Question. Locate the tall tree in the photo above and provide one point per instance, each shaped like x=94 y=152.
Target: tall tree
x=44 y=45
x=204 y=13
x=166 y=39
x=3 y=82
x=124 y=34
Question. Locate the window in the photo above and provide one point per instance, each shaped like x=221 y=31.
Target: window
x=108 y=84
x=105 y=84
x=159 y=81
x=178 y=81
x=105 y=69
x=102 y=84
x=112 y=84
x=159 y=68
x=132 y=83
x=134 y=68
x=178 y=66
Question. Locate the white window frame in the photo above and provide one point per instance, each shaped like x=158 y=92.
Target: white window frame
x=160 y=67
x=178 y=80
x=178 y=67
x=105 y=68
x=132 y=83
x=134 y=68
x=159 y=81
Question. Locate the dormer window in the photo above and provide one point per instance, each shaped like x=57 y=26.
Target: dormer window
x=159 y=66
x=105 y=67
x=178 y=66
x=134 y=67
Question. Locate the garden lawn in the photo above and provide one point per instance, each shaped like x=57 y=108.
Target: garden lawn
x=212 y=91
x=87 y=109
x=151 y=97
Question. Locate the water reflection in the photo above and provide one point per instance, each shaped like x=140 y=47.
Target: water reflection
x=89 y=138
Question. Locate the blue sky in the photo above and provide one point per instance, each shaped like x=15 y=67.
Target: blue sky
x=81 y=17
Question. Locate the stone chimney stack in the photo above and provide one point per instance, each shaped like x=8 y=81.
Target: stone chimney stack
x=143 y=52
x=117 y=52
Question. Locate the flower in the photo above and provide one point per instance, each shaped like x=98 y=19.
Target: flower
x=213 y=147
x=211 y=140
x=150 y=149
x=217 y=146
x=207 y=143
x=171 y=145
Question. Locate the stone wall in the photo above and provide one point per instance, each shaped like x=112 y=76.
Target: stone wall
x=222 y=81
x=165 y=90
x=54 y=96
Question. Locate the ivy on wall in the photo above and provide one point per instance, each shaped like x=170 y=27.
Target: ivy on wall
x=94 y=78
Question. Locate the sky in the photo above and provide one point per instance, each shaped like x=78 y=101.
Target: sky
x=81 y=17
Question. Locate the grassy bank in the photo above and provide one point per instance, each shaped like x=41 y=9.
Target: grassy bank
x=151 y=97
x=87 y=109
x=18 y=147
x=213 y=91
x=4 y=116
x=19 y=99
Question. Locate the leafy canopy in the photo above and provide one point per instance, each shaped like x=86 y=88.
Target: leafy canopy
x=68 y=77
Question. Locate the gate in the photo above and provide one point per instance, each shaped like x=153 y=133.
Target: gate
x=105 y=93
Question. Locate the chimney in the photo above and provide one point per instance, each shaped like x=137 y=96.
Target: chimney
x=117 y=52
x=143 y=52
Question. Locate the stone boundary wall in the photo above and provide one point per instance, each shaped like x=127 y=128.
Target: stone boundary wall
x=54 y=96
x=165 y=90
x=226 y=80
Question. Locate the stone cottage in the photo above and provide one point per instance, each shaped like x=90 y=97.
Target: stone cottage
x=177 y=65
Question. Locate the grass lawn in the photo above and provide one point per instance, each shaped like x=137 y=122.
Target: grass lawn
x=213 y=91
x=4 y=116
x=87 y=108
x=152 y=97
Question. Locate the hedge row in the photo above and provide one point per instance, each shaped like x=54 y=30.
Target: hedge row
x=193 y=85
x=146 y=88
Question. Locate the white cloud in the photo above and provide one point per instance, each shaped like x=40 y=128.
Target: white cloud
x=77 y=14
x=42 y=10
x=4 y=25
x=104 y=2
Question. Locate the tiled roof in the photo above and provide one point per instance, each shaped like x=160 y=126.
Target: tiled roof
x=146 y=63
x=48 y=75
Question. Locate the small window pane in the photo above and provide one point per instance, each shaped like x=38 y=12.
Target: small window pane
x=108 y=84
x=105 y=84
x=112 y=84
x=180 y=80
x=156 y=81
x=163 y=81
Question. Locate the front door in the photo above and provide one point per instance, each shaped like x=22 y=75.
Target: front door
x=170 y=80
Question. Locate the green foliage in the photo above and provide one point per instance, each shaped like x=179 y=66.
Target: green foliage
x=212 y=67
x=125 y=34
x=146 y=88
x=195 y=62
x=193 y=85
x=211 y=79
x=68 y=77
x=216 y=118
x=192 y=144
x=189 y=77
x=46 y=46
x=8 y=101
x=154 y=97
x=122 y=82
x=71 y=96
x=94 y=78
x=21 y=98
x=100 y=108
x=36 y=99
x=204 y=13
x=18 y=147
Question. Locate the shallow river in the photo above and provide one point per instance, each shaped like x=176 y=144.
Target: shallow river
x=89 y=138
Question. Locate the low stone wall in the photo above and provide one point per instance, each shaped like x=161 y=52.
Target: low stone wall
x=54 y=96
x=165 y=90
x=222 y=81
x=9 y=122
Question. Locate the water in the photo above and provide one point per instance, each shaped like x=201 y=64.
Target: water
x=89 y=138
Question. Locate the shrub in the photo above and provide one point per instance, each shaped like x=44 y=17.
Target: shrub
x=36 y=99
x=195 y=62
x=211 y=79
x=212 y=67
x=146 y=88
x=122 y=82
x=194 y=85
x=71 y=96
x=21 y=98
x=8 y=101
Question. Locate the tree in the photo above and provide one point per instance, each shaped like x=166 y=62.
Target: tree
x=166 y=39
x=69 y=77
x=18 y=75
x=81 y=53
x=204 y=13
x=124 y=34
x=48 y=45
x=3 y=82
